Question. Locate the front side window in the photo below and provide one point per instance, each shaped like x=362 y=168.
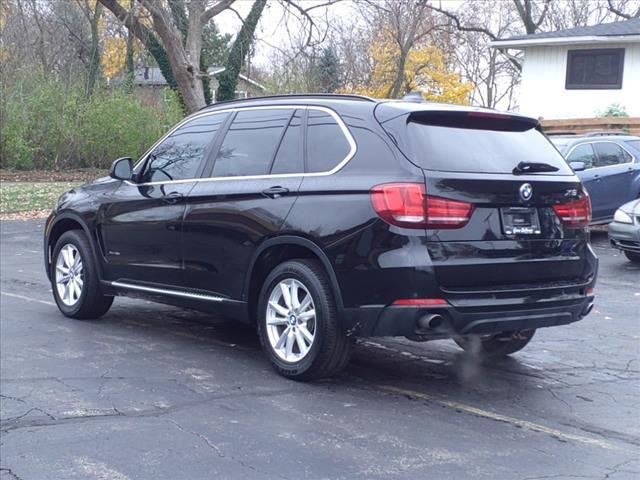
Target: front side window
x=179 y=156
x=610 y=154
x=595 y=69
x=251 y=142
x=326 y=144
x=583 y=153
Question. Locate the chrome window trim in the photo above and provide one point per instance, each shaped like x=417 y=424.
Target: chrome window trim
x=632 y=161
x=338 y=167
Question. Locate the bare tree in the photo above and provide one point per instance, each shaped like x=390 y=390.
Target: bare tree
x=532 y=13
x=180 y=37
x=493 y=75
x=627 y=9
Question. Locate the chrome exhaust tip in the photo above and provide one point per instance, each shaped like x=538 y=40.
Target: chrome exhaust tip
x=587 y=310
x=431 y=322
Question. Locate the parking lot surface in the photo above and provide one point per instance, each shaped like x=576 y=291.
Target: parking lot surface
x=155 y=392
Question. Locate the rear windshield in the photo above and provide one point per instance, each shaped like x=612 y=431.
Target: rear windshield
x=480 y=150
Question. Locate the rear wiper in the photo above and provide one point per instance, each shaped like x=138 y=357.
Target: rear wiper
x=532 y=167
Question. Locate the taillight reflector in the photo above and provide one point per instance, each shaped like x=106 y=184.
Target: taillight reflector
x=576 y=214
x=408 y=205
x=425 y=302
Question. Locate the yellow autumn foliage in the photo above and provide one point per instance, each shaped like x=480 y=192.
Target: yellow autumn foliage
x=113 y=56
x=425 y=70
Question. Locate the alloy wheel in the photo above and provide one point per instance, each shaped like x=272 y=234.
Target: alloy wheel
x=69 y=276
x=291 y=320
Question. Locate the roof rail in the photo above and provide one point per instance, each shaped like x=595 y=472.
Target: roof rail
x=604 y=133
x=345 y=96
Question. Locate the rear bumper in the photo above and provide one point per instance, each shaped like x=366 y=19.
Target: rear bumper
x=463 y=316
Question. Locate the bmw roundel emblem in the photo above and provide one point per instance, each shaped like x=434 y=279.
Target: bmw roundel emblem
x=526 y=191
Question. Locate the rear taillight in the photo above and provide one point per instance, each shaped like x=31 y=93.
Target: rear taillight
x=407 y=205
x=444 y=213
x=576 y=214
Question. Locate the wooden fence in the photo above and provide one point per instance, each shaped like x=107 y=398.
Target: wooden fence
x=579 y=126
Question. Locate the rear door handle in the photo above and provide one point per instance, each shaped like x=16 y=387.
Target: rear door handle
x=275 y=192
x=172 y=198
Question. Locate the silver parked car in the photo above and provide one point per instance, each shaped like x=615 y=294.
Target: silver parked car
x=624 y=231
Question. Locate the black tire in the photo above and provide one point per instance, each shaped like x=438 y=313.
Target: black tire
x=330 y=351
x=91 y=303
x=634 y=257
x=499 y=345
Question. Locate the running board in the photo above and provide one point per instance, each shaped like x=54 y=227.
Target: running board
x=175 y=293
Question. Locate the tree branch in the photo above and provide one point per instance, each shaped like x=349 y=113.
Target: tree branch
x=215 y=10
x=620 y=13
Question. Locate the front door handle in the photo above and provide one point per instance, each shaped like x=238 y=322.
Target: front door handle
x=172 y=198
x=275 y=192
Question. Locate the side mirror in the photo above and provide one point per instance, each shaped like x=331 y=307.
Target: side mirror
x=122 y=169
x=577 y=166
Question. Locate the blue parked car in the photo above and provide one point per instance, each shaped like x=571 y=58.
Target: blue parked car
x=608 y=165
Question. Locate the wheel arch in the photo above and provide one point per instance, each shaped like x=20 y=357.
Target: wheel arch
x=63 y=223
x=275 y=251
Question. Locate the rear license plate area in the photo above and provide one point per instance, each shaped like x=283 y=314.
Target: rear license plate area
x=520 y=221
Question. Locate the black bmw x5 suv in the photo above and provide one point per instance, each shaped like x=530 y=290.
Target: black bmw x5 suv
x=322 y=218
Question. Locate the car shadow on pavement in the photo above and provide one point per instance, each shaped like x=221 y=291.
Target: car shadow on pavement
x=436 y=366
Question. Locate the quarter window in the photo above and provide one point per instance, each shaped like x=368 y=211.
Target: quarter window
x=595 y=69
x=326 y=143
x=289 y=155
x=251 y=142
x=583 y=153
x=610 y=154
x=180 y=155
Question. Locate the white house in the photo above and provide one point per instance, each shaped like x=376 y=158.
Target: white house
x=578 y=72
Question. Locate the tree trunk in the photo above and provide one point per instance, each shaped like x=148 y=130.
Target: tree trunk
x=394 y=91
x=228 y=80
x=129 y=65
x=146 y=36
x=94 y=55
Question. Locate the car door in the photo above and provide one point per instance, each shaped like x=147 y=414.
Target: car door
x=253 y=179
x=140 y=226
x=589 y=176
x=614 y=173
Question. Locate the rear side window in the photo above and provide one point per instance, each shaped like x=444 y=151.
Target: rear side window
x=327 y=145
x=583 y=153
x=480 y=146
x=289 y=157
x=179 y=156
x=610 y=153
x=251 y=142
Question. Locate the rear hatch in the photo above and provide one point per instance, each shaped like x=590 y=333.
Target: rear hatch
x=503 y=209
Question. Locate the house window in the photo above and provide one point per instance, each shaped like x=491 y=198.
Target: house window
x=595 y=69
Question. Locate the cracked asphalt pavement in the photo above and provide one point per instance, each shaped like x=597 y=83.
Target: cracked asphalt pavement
x=155 y=392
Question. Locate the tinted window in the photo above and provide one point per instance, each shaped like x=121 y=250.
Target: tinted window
x=289 y=155
x=326 y=144
x=610 y=154
x=181 y=153
x=250 y=143
x=583 y=153
x=480 y=151
x=595 y=68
